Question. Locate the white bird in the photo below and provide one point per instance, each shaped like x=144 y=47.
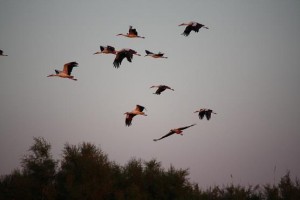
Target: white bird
x=205 y=112
x=192 y=26
x=155 y=55
x=132 y=33
x=124 y=53
x=66 y=73
x=106 y=50
x=137 y=111
x=161 y=88
x=172 y=131
x=1 y=53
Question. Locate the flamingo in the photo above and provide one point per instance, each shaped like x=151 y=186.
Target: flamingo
x=132 y=33
x=192 y=26
x=124 y=53
x=106 y=50
x=66 y=73
x=155 y=55
x=205 y=112
x=172 y=131
x=161 y=88
x=1 y=53
x=137 y=111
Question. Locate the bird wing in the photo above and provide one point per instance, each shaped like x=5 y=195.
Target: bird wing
x=119 y=57
x=139 y=108
x=129 y=55
x=132 y=31
x=1 y=52
x=68 y=67
x=128 y=119
x=182 y=128
x=187 y=30
x=148 y=52
x=167 y=135
x=160 y=90
x=196 y=27
x=208 y=114
x=160 y=54
x=201 y=114
x=110 y=48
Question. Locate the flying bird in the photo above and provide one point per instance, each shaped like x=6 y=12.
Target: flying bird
x=106 y=50
x=66 y=73
x=124 y=53
x=1 y=53
x=132 y=33
x=172 y=131
x=205 y=112
x=137 y=111
x=192 y=26
x=155 y=55
x=160 y=88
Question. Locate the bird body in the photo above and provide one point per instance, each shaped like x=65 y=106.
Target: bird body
x=1 y=53
x=137 y=111
x=172 y=131
x=106 y=50
x=205 y=112
x=155 y=55
x=67 y=70
x=132 y=33
x=192 y=26
x=124 y=53
x=161 y=88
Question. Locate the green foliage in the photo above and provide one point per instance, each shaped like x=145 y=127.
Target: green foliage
x=85 y=172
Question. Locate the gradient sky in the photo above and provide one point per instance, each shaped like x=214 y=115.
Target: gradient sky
x=245 y=67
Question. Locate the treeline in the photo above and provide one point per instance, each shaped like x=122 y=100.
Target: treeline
x=86 y=173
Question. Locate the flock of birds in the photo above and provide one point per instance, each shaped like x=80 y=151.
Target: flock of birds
x=128 y=54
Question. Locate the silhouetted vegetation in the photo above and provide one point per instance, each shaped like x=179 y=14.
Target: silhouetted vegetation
x=85 y=172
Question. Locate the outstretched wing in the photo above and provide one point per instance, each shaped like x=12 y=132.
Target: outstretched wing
x=148 y=52
x=160 y=90
x=139 y=108
x=119 y=58
x=68 y=67
x=167 y=135
x=182 y=128
x=187 y=30
x=132 y=31
x=110 y=48
x=201 y=114
x=208 y=114
x=128 y=119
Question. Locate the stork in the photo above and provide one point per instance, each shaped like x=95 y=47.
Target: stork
x=161 y=88
x=155 y=55
x=132 y=33
x=106 y=50
x=205 y=112
x=172 y=131
x=1 y=53
x=66 y=73
x=137 y=111
x=192 y=26
x=124 y=53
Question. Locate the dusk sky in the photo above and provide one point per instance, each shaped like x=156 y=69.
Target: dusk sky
x=245 y=67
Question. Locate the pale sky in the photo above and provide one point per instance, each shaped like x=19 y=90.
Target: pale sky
x=245 y=67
